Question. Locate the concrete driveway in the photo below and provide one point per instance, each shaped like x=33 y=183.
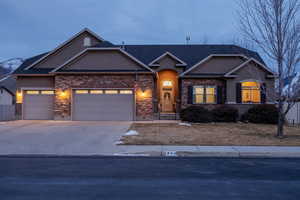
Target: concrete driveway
x=61 y=137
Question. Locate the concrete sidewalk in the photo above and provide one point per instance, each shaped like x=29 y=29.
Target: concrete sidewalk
x=209 y=151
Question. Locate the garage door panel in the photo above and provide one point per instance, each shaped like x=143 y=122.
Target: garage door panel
x=102 y=107
x=38 y=107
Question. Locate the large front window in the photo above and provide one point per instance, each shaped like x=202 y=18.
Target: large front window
x=204 y=94
x=251 y=92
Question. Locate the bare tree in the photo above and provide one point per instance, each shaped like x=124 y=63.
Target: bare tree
x=274 y=27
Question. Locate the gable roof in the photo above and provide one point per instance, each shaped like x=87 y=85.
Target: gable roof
x=9 y=82
x=210 y=57
x=182 y=63
x=103 y=49
x=7 y=90
x=190 y=54
x=245 y=64
x=63 y=44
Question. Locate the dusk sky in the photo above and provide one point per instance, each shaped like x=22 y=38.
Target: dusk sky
x=31 y=27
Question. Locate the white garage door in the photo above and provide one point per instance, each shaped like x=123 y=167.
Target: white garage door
x=103 y=105
x=38 y=105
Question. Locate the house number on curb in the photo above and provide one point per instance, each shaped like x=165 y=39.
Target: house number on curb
x=171 y=153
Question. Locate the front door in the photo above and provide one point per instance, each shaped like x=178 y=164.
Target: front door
x=167 y=101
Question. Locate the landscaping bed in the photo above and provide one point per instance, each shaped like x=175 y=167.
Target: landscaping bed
x=210 y=134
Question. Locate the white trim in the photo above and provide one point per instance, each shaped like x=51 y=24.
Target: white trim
x=182 y=63
x=64 y=43
x=211 y=56
x=101 y=49
x=228 y=74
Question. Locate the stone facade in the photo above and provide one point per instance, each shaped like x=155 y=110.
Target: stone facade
x=185 y=83
x=142 y=84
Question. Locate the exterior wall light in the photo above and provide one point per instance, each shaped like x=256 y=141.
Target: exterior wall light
x=19 y=98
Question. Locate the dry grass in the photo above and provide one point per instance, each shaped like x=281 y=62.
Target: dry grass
x=217 y=134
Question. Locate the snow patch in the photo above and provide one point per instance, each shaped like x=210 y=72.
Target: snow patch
x=131 y=132
x=118 y=142
x=184 y=124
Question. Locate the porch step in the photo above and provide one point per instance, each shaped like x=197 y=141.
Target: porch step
x=168 y=116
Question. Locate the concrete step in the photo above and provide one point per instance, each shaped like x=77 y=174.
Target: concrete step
x=168 y=116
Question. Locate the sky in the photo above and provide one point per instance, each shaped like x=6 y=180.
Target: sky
x=31 y=27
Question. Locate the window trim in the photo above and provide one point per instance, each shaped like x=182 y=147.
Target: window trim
x=204 y=94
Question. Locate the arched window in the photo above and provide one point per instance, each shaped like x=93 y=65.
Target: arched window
x=87 y=42
x=251 y=92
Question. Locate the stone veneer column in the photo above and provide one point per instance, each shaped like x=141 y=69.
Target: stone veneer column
x=144 y=89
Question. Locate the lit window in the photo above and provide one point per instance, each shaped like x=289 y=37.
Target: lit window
x=111 y=91
x=251 y=92
x=96 y=92
x=47 y=92
x=204 y=94
x=125 y=91
x=81 y=91
x=32 y=92
x=167 y=83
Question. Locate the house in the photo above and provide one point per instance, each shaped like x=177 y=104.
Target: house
x=7 y=90
x=88 y=78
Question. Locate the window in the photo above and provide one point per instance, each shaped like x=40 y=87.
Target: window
x=81 y=91
x=32 y=92
x=96 y=92
x=167 y=83
x=204 y=94
x=47 y=92
x=251 y=92
x=111 y=91
x=125 y=91
x=87 y=42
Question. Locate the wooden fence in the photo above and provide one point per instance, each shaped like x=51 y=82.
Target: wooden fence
x=7 y=112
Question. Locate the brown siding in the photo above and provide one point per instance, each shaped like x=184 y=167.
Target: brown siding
x=104 y=60
x=35 y=82
x=144 y=105
x=69 y=50
x=218 y=65
x=168 y=62
x=247 y=73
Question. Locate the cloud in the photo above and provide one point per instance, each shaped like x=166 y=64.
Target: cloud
x=33 y=26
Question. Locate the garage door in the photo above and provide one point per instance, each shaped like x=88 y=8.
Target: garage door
x=38 y=104
x=103 y=105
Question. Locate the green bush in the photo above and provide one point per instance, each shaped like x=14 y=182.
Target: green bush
x=261 y=114
x=225 y=114
x=196 y=114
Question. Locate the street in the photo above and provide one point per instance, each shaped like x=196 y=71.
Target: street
x=36 y=178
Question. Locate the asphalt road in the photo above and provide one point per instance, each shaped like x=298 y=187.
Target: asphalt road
x=148 y=178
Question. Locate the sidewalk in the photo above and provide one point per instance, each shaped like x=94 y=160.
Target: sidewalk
x=209 y=151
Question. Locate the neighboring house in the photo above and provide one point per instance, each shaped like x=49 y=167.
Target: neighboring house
x=7 y=90
x=88 y=78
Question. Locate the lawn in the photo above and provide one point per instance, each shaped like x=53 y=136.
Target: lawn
x=211 y=134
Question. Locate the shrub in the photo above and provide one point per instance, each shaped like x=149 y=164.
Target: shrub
x=196 y=114
x=225 y=114
x=261 y=114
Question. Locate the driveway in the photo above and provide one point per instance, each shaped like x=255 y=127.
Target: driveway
x=61 y=137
